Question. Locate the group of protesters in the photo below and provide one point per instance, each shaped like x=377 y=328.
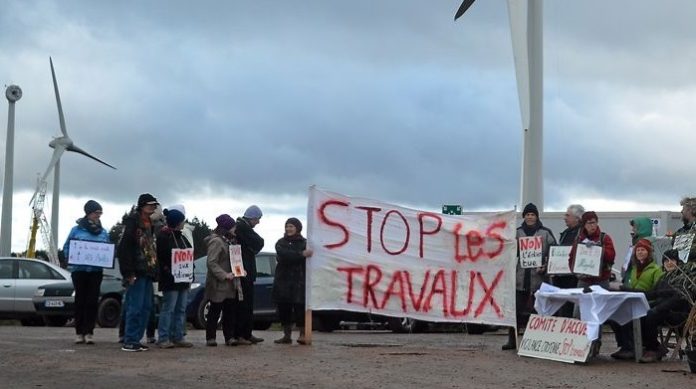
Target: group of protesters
x=144 y=251
x=645 y=272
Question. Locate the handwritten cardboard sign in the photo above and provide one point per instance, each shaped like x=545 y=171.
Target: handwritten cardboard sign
x=530 y=251
x=236 y=261
x=682 y=243
x=558 y=260
x=375 y=257
x=99 y=254
x=182 y=265
x=555 y=338
x=588 y=260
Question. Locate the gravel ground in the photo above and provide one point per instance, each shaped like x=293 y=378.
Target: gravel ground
x=45 y=357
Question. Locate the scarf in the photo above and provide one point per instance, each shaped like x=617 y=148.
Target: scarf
x=94 y=228
x=531 y=230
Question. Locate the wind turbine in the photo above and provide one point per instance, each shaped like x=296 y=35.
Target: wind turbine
x=60 y=145
x=13 y=93
x=526 y=26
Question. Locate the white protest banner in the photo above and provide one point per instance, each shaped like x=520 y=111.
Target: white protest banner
x=371 y=256
x=588 y=260
x=556 y=338
x=558 y=260
x=182 y=265
x=236 y=261
x=682 y=243
x=83 y=252
x=530 y=251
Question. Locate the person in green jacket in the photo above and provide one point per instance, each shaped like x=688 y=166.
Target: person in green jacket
x=641 y=228
x=645 y=275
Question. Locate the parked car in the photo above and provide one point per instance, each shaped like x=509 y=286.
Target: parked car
x=19 y=279
x=264 y=309
x=56 y=302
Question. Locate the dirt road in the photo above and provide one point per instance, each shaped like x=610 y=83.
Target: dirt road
x=45 y=357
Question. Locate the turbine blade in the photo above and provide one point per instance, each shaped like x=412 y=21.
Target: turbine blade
x=462 y=8
x=86 y=154
x=61 y=118
x=57 y=152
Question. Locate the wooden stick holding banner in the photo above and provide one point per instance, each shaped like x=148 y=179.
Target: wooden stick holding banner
x=99 y=254
x=558 y=260
x=530 y=251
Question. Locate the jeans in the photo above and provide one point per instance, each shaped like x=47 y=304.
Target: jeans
x=87 y=285
x=172 y=317
x=138 y=307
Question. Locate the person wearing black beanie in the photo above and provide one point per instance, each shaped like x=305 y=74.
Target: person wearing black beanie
x=289 y=282
x=86 y=279
x=528 y=280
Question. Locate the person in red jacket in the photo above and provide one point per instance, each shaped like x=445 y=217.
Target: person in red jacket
x=592 y=235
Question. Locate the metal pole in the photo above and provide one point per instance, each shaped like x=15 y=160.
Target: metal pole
x=532 y=190
x=13 y=93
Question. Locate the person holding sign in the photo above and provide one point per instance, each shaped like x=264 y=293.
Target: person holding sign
x=683 y=240
x=533 y=242
x=87 y=278
x=251 y=244
x=222 y=288
x=289 y=282
x=572 y=219
x=175 y=263
x=644 y=277
x=593 y=252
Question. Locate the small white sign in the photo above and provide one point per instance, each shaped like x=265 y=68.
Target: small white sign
x=236 y=261
x=588 y=260
x=530 y=251
x=558 y=260
x=182 y=265
x=84 y=252
x=682 y=243
x=556 y=338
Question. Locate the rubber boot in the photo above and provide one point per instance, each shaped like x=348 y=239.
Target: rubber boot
x=287 y=333
x=301 y=338
x=512 y=342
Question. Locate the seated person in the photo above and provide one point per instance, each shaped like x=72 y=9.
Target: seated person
x=668 y=307
x=643 y=277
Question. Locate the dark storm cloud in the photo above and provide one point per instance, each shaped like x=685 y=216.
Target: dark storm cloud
x=388 y=99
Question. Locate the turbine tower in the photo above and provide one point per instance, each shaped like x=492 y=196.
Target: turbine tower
x=13 y=93
x=527 y=44
x=60 y=145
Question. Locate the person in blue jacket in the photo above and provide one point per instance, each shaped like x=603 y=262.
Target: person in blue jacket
x=86 y=279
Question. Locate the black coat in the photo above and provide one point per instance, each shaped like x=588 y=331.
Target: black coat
x=169 y=239
x=251 y=244
x=136 y=250
x=289 y=282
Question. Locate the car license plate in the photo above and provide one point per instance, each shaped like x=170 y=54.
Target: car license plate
x=54 y=303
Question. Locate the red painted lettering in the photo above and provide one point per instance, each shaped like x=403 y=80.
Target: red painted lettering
x=439 y=287
x=488 y=297
x=326 y=220
x=369 y=284
x=396 y=279
x=368 y=226
x=423 y=232
x=406 y=239
x=349 y=272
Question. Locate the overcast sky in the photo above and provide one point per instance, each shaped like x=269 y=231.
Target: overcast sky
x=221 y=104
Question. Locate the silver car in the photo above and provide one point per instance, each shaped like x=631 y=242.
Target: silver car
x=19 y=279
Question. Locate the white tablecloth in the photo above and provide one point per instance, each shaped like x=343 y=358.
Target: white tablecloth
x=595 y=308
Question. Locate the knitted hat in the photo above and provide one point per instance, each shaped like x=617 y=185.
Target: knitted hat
x=174 y=217
x=295 y=222
x=225 y=221
x=178 y=207
x=589 y=215
x=92 y=206
x=670 y=254
x=530 y=208
x=253 y=212
x=644 y=243
x=146 y=199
